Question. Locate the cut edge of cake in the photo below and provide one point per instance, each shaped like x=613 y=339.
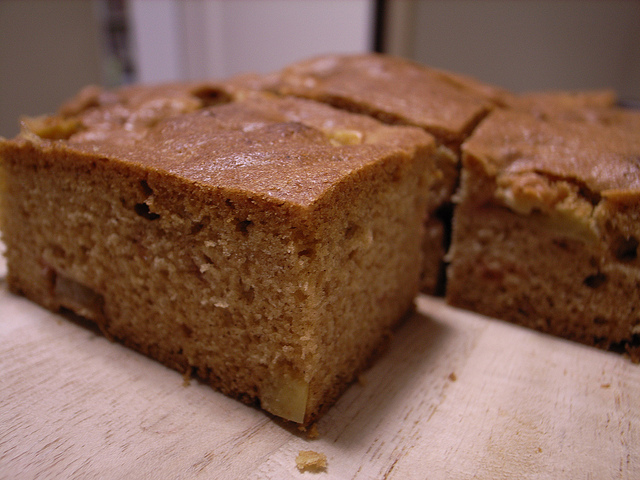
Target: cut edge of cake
x=545 y=227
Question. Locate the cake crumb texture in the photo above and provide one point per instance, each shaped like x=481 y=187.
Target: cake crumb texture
x=546 y=229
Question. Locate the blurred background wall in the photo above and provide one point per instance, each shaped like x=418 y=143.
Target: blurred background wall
x=49 y=49
x=523 y=45
x=178 y=39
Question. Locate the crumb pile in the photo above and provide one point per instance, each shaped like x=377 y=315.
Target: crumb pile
x=311 y=461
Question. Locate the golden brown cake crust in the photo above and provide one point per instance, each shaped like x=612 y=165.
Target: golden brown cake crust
x=561 y=103
x=244 y=145
x=393 y=90
x=600 y=154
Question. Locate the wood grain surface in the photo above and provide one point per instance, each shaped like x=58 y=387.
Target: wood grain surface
x=456 y=396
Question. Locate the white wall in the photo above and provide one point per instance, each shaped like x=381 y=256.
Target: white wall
x=157 y=39
x=178 y=39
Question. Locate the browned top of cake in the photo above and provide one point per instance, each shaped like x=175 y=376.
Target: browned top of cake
x=394 y=90
x=569 y=105
x=599 y=154
x=285 y=149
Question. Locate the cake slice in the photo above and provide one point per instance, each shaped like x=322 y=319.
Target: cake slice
x=398 y=91
x=546 y=229
x=266 y=245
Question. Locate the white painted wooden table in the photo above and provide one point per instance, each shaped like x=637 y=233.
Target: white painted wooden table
x=457 y=396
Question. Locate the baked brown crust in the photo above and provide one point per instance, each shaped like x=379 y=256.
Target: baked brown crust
x=562 y=103
x=597 y=153
x=393 y=90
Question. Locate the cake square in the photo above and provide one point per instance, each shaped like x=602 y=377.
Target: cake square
x=546 y=231
x=399 y=91
x=267 y=245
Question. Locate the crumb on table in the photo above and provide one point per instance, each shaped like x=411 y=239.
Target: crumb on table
x=186 y=378
x=310 y=461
